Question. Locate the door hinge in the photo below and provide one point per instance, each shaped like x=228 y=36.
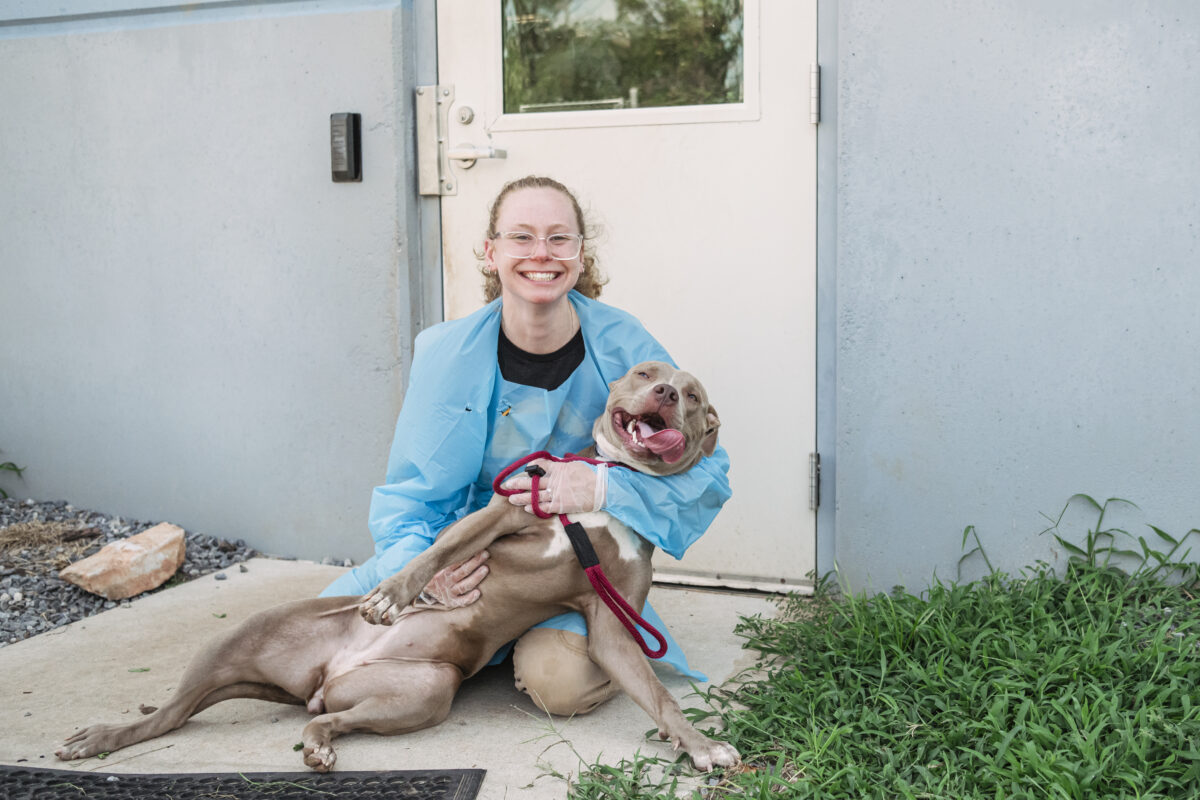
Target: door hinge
x=433 y=126
x=814 y=480
x=814 y=94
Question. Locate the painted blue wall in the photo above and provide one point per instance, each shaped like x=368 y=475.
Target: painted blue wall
x=1017 y=261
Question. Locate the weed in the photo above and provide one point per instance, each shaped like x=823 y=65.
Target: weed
x=1100 y=546
x=277 y=787
x=640 y=778
x=1075 y=685
x=9 y=466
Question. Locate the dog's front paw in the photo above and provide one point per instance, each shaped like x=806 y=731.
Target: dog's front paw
x=705 y=753
x=380 y=606
x=714 y=754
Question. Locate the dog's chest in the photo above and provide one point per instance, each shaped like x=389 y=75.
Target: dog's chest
x=628 y=543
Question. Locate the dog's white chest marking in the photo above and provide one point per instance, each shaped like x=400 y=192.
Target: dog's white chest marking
x=628 y=542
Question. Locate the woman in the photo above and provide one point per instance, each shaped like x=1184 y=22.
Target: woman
x=528 y=372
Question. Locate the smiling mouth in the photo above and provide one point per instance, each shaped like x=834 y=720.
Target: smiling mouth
x=637 y=427
x=643 y=434
x=540 y=277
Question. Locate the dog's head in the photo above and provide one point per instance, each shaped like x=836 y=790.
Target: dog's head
x=658 y=420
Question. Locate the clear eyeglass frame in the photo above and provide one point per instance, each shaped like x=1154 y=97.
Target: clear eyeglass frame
x=522 y=244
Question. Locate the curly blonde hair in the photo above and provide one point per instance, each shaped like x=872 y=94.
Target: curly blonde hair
x=590 y=279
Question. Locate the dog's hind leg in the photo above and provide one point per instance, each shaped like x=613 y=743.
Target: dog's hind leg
x=204 y=683
x=222 y=670
x=384 y=698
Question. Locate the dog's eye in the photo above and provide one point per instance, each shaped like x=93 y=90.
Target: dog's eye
x=643 y=375
x=693 y=398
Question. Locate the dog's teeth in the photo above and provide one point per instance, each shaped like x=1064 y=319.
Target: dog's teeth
x=633 y=432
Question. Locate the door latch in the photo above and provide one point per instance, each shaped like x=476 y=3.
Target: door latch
x=434 y=156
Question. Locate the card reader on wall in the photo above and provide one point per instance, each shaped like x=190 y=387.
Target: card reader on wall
x=345 y=147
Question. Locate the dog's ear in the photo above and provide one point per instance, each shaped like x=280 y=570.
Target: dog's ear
x=711 y=423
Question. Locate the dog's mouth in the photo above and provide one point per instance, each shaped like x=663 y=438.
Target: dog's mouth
x=649 y=433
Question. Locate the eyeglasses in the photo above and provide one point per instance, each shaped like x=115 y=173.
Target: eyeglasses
x=559 y=246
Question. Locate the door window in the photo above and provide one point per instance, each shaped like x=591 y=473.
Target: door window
x=587 y=55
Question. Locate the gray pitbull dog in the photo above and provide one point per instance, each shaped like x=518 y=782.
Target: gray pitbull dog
x=400 y=676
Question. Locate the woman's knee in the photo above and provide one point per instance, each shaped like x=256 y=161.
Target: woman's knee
x=554 y=669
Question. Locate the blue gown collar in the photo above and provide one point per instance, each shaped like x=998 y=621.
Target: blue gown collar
x=482 y=336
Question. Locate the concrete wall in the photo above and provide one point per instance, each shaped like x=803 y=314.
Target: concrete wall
x=1017 y=274
x=200 y=326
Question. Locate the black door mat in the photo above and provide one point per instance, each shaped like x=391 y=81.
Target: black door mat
x=19 y=783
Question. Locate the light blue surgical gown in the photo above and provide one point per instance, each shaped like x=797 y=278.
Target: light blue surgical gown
x=452 y=437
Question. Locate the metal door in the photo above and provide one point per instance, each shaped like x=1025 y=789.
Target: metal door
x=705 y=203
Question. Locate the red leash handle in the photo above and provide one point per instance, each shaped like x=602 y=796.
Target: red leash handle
x=583 y=550
x=536 y=476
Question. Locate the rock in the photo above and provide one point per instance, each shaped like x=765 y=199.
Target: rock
x=130 y=566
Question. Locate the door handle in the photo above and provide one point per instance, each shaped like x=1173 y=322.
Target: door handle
x=467 y=154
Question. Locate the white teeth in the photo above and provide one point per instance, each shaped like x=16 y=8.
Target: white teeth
x=540 y=276
x=632 y=428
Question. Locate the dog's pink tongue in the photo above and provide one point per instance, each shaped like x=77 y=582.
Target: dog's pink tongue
x=668 y=444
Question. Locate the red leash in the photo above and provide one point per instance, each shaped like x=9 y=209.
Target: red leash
x=584 y=550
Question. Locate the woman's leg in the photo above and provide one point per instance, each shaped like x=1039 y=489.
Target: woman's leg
x=553 y=668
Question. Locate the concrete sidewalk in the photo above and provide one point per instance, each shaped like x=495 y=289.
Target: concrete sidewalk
x=102 y=668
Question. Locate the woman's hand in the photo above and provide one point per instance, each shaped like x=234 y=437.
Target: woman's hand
x=456 y=585
x=570 y=487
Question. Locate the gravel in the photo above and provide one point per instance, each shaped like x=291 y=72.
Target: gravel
x=34 y=600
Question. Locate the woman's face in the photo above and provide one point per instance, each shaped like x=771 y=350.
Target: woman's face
x=537 y=279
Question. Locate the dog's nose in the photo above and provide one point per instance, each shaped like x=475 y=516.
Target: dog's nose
x=666 y=393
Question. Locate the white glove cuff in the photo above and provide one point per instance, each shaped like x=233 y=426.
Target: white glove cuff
x=601 y=491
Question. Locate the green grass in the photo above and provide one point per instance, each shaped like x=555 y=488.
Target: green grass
x=1083 y=683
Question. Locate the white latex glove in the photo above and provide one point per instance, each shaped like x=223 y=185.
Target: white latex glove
x=570 y=487
x=456 y=585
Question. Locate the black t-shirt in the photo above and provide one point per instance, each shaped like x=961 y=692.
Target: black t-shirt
x=544 y=371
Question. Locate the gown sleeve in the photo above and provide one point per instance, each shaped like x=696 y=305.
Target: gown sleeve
x=435 y=455
x=671 y=512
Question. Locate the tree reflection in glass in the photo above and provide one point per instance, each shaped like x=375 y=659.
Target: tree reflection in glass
x=572 y=55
